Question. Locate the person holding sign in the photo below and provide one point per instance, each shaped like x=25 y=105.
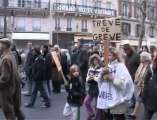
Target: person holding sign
x=115 y=89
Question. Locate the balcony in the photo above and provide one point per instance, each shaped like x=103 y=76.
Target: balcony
x=73 y=8
x=69 y=29
x=84 y=30
x=27 y=5
x=57 y=28
x=126 y=15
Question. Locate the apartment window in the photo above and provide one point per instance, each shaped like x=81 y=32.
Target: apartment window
x=37 y=3
x=138 y=12
x=138 y=28
x=152 y=14
x=108 y=5
x=125 y=11
x=98 y=4
x=151 y=32
x=126 y=29
x=1 y=23
x=21 y=23
x=69 y=1
x=21 y=3
x=84 y=25
x=58 y=1
x=57 y=23
x=69 y=28
x=84 y=2
x=1 y=3
x=36 y=24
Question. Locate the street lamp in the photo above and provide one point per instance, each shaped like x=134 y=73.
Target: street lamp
x=5 y=16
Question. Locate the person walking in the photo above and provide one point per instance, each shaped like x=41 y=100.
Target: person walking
x=10 y=90
x=141 y=76
x=116 y=88
x=149 y=92
x=132 y=62
x=82 y=62
x=75 y=94
x=56 y=76
x=39 y=72
x=93 y=74
x=48 y=67
x=28 y=67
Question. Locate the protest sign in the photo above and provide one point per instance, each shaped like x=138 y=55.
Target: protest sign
x=58 y=64
x=56 y=60
x=107 y=29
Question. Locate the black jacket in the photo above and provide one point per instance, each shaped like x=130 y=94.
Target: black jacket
x=82 y=61
x=48 y=65
x=29 y=63
x=150 y=91
x=132 y=63
x=38 y=69
x=75 y=92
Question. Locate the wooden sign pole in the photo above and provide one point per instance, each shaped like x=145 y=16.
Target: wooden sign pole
x=106 y=52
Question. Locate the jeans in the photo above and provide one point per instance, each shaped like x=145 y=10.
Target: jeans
x=88 y=100
x=49 y=92
x=148 y=114
x=30 y=82
x=39 y=86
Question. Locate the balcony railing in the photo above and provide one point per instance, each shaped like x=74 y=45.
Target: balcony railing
x=57 y=28
x=69 y=29
x=84 y=30
x=83 y=9
x=27 y=5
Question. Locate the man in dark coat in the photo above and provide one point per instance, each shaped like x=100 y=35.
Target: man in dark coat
x=82 y=62
x=39 y=72
x=48 y=64
x=132 y=60
x=10 y=91
x=28 y=67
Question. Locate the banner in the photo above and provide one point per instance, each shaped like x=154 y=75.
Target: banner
x=107 y=29
x=56 y=60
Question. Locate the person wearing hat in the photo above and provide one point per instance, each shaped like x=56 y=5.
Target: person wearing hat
x=10 y=91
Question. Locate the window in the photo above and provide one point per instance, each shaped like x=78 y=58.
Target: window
x=152 y=14
x=37 y=24
x=21 y=3
x=69 y=1
x=1 y=23
x=138 y=28
x=125 y=11
x=108 y=5
x=1 y=3
x=84 y=2
x=69 y=24
x=126 y=29
x=151 y=32
x=57 y=23
x=138 y=12
x=58 y=1
x=98 y=4
x=37 y=3
x=84 y=25
x=20 y=23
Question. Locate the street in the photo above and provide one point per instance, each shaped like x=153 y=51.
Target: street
x=53 y=113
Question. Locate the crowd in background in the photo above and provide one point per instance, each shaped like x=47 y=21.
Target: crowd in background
x=127 y=81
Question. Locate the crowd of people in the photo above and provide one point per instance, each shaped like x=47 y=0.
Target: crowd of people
x=130 y=77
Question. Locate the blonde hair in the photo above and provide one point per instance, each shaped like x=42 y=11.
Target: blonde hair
x=116 y=54
x=73 y=68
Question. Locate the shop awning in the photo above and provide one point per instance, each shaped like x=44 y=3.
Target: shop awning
x=30 y=36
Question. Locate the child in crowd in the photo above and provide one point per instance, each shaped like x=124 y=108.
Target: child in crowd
x=75 y=95
x=92 y=79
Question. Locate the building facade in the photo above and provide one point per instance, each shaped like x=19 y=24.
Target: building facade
x=73 y=19
x=27 y=20
x=130 y=13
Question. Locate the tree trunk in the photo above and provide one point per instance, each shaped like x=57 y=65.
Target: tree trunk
x=142 y=31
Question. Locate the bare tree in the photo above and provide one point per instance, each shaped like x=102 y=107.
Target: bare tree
x=143 y=8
